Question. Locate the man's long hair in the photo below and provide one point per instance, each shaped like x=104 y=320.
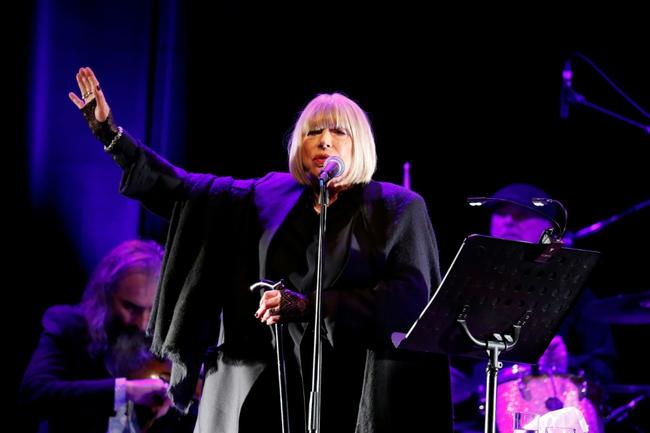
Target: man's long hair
x=130 y=257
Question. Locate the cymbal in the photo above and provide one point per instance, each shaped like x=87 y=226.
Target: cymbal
x=624 y=309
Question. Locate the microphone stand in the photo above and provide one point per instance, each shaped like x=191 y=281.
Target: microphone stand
x=579 y=99
x=574 y=97
x=313 y=425
x=599 y=225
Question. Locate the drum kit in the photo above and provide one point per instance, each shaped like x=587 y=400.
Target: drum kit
x=523 y=389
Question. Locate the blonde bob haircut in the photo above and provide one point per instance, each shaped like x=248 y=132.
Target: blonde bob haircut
x=335 y=111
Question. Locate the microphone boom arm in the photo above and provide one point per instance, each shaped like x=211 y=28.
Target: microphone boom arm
x=579 y=99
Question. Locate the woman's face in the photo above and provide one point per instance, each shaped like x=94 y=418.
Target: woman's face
x=319 y=144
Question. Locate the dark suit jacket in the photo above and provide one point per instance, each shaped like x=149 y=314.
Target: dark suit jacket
x=62 y=383
x=68 y=389
x=220 y=232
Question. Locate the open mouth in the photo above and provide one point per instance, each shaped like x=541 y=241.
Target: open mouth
x=320 y=159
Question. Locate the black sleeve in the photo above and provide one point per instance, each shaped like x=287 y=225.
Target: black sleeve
x=61 y=375
x=154 y=181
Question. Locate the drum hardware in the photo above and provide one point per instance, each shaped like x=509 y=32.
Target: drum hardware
x=620 y=413
x=523 y=390
x=584 y=387
x=535 y=392
x=623 y=309
x=553 y=403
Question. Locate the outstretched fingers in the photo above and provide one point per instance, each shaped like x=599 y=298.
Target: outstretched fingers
x=86 y=84
x=76 y=100
x=101 y=99
x=90 y=89
x=85 y=89
x=95 y=91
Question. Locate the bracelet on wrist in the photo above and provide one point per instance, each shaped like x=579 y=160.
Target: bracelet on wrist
x=109 y=148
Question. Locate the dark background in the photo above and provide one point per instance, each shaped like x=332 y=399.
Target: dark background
x=469 y=97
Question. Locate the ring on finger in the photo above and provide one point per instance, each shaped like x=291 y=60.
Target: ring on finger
x=87 y=94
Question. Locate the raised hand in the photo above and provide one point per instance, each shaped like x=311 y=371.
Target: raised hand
x=90 y=90
x=95 y=109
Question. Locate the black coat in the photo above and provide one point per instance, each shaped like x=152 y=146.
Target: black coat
x=70 y=390
x=220 y=233
x=62 y=383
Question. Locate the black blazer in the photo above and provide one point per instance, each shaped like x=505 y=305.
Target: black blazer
x=62 y=383
x=220 y=232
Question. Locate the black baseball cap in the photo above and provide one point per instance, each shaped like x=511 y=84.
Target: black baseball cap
x=522 y=194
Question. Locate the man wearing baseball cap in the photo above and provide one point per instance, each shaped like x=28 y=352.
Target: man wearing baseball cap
x=515 y=217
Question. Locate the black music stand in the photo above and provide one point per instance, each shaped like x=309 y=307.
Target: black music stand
x=500 y=297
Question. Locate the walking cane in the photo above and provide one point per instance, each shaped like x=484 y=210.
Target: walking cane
x=278 y=331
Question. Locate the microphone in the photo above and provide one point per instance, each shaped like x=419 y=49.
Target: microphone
x=333 y=167
x=565 y=93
